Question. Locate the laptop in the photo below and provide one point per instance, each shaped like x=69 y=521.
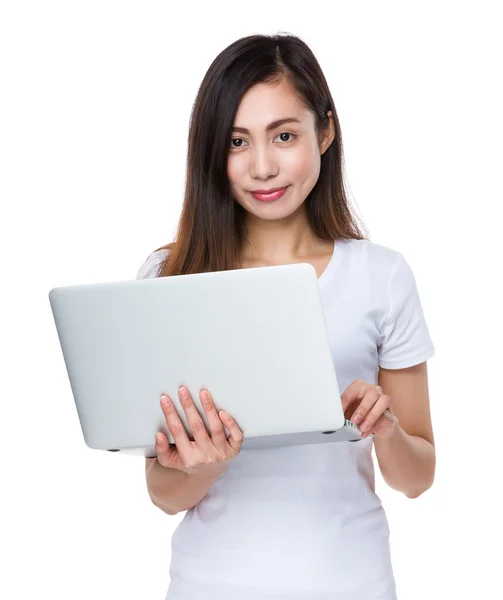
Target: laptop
x=255 y=338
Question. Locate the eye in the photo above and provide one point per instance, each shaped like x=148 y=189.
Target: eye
x=239 y=140
x=286 y=133
x=233 y=146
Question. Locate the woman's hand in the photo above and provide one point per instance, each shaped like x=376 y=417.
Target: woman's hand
x=369 y=408
x=205 y=454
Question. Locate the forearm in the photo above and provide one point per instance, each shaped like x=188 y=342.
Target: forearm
x=174 y=491
x=407 y=462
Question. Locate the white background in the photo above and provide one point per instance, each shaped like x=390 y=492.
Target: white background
x=95 y=101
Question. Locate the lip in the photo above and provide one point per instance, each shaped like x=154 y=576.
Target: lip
x=269 y=191
x=270 y=196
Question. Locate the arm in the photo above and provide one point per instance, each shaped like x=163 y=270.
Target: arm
x=407 y=458
x=174 y=491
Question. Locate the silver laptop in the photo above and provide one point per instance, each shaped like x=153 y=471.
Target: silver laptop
x=255 y=338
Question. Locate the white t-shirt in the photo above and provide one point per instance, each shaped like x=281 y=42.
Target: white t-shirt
x=304 y=522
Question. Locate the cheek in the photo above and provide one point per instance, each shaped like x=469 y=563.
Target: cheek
x=303 y=167
x=236 y=170
x=236 y=179
x=230 y=172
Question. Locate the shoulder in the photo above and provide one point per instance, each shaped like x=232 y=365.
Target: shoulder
x=379 y=259
x=381 y=270
x=150 y=266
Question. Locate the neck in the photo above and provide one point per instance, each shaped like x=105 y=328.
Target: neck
x=281 y=240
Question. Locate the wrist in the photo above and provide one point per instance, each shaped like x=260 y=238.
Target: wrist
x=209 y=473
x=395 y=435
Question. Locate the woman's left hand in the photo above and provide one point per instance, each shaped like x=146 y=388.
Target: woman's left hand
x=369 y=408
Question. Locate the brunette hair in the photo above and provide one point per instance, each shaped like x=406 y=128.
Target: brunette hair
x=211 y=231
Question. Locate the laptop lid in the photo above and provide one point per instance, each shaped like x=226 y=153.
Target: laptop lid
x=255 y=338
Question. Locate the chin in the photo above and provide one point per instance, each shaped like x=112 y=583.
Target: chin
x=271 y=213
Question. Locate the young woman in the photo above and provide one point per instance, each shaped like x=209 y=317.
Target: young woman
x=265 y=187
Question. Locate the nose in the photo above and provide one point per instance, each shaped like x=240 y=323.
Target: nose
x=263 y=165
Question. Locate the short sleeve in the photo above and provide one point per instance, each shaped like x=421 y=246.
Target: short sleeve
x=150 y=268
x=405 y=338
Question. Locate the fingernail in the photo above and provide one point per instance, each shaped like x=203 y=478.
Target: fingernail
x=158 y=439
x=365 y=426
x=357 y=419
x=165 y=401
x=224 y=415
x=184 y=392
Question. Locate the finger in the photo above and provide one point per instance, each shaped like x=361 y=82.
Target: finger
x=386 y=418
x=216 y=421
x=163 y=450
x=374 y=427
x=353 y=393
x=236 y=437
x=377 y=411
x=176 y=427
x=194 y=419
x=218 y=437
x=161 y=443
x=370 y=397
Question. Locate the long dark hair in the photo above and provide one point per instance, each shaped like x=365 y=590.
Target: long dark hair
x=211 y=232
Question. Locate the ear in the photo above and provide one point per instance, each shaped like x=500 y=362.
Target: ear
x=327 y=134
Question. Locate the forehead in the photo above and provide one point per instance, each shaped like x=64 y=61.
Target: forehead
x=264 y=103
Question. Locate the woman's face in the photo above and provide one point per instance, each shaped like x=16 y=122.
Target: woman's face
x=287 y=155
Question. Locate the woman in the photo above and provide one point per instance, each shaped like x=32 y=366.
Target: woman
x=299 y=522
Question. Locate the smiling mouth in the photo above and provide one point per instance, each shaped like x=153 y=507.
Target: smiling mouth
x=271 y=191
x=274 y=195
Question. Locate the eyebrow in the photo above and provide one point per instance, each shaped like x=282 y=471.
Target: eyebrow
x=271 y=126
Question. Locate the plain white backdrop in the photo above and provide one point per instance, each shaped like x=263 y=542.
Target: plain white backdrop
x=94 y=108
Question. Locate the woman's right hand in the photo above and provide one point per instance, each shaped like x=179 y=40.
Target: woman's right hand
x=204 y=455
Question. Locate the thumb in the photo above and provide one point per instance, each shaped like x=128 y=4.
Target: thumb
x=165 y=454
x=346 y=400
